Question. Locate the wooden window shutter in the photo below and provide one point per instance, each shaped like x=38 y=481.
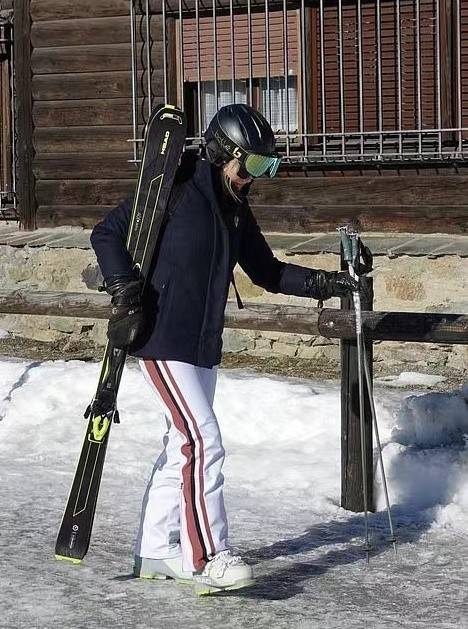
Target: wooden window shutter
x=6 y=172
x=241 y=45
x=389 y=72
x=464 y=67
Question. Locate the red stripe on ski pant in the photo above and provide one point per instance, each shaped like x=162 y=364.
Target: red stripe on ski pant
x=199 y=551
x=202 y=455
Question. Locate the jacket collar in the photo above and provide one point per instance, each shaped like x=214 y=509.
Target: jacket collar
x=203 y=179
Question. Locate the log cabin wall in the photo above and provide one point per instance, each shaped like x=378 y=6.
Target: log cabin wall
x=82 y=113
x=82 y=107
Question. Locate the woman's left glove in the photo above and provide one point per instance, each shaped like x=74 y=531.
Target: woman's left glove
x=322 y=285
x=127 y=318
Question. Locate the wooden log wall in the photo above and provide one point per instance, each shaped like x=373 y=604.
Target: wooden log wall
x=82 y=112
x=425 y=201
x=82 y=106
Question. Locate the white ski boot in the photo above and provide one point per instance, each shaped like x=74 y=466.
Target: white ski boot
x=223 y=572
x=160 y=569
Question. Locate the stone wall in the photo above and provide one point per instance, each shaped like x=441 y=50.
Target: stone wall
x=44 y=268
x=404 y=283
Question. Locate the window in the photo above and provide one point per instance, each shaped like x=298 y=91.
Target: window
x=241 y=67
x=224 y=96
x=274 y=104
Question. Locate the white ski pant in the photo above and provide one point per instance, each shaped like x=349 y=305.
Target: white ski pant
x=183 y=508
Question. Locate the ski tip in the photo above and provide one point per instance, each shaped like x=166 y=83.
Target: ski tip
x=70 y=559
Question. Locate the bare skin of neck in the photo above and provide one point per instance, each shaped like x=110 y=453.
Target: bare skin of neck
x=230 y=170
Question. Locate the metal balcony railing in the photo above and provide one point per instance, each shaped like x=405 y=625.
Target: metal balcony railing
x=373 y=82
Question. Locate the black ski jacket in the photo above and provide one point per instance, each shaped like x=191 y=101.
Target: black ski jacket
x=187 y=288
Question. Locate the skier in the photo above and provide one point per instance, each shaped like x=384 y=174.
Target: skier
x=175 y=329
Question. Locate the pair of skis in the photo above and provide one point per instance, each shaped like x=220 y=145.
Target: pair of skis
x=164 y=143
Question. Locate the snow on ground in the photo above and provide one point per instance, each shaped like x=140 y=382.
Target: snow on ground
x=282 y=470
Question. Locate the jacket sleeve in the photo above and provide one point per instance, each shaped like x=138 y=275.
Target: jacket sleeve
x=257 y=260
x=109 y=238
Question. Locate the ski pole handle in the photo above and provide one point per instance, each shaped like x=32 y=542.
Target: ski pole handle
x=355 y=249
x=346 y=244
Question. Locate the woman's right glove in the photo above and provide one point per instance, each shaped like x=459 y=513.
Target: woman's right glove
x=127 y=318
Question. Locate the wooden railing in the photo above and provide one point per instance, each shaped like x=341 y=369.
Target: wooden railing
x=424 y=327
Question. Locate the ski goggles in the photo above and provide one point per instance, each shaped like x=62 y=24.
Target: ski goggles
x=258 y=165
x=252 y=164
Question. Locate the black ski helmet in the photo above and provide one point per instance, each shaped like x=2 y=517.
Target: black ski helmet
x=239 y=131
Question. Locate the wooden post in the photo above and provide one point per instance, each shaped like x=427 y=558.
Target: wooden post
x=25 y=184
x=351 y=464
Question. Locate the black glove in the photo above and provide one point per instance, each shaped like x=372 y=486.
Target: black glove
x=127 y=319
x=322 y=285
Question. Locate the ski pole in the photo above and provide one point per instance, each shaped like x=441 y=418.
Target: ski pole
x=355 y=248
x=349 y=256
x=355 y=242
x=379 y=448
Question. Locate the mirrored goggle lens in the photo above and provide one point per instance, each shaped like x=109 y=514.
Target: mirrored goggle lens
x=258 y=165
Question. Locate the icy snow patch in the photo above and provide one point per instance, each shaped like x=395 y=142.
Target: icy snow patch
x=427 y=458
x=410 y=378
x=11 y=372
x=433 y=420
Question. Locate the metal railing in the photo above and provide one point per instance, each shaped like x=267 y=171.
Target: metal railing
x=362 y=91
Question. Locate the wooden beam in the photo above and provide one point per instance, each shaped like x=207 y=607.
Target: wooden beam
x=85 y=216
x=366 y=190
x=90 y=192
x=79 y=140
x=99 y=58
x=77 y=113
x=421 y=327
x=85 y=166
x=89 y=85
x=420 y=203
x=25 y=185
x=88 y=31
x=423 y=219
x=63 y=60
x=71 y=9
x=51 y=204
